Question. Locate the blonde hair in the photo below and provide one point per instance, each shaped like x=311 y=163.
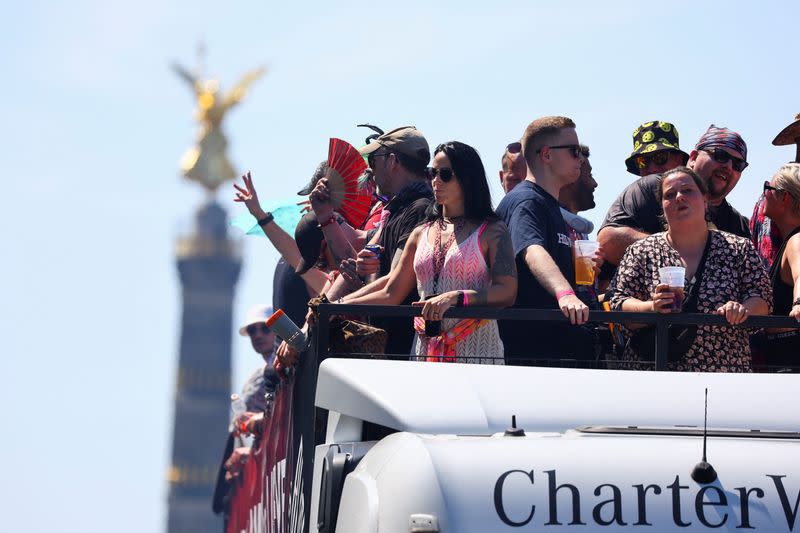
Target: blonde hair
x=540 y=132
x=788 y=179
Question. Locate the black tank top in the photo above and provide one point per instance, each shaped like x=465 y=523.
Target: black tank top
x=782 y=292
x=782 y=350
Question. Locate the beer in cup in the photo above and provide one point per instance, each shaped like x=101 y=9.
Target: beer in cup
x=675 y=278
x=584 y=261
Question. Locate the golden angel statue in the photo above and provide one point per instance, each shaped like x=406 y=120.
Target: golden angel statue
x=207 y=163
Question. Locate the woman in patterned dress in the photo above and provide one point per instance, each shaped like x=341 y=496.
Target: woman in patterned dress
x=734 y=283
x=462 y=256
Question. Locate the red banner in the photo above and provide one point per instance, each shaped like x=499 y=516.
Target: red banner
x=269 y=497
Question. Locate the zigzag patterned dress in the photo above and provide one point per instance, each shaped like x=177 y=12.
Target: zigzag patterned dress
x=464 y=268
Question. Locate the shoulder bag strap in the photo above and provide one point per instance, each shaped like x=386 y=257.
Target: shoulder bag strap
x=690 y=304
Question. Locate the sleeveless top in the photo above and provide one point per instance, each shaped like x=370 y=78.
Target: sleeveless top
x=782 y=349
x=464 y=268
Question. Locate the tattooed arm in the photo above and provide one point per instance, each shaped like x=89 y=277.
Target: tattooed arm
x=499 y=253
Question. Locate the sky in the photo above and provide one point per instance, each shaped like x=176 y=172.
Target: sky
x=93 y=201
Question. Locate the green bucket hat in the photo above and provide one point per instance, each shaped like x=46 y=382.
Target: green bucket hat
x=654 y=136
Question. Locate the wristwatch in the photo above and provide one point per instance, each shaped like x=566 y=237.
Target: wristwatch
x=266 y=220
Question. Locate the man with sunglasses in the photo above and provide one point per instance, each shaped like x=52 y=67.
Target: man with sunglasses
x=542 y=247
x=655 y=149
x=719 y=157
x=398 y=160
x=514 y=168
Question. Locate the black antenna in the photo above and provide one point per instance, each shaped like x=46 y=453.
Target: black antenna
x=514 y=431
x=703 y=472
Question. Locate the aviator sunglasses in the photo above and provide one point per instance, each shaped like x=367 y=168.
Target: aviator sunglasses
x=253 y=328
x=574 y=149
x=658 y=158
x=445 y=174
x=721 y=156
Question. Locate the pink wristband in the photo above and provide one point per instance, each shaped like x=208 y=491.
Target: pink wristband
x=561 y=294
x=466 y=298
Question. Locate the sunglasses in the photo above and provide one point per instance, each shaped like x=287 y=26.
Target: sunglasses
x=371 y=157
x=768 y=187
x=514 y=148
x=445 y=174
x=721 y=156
x=253 y=328
x=574 y=149
x=658 y=159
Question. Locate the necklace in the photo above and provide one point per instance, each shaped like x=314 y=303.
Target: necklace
x=455 y=221
x=439 y=251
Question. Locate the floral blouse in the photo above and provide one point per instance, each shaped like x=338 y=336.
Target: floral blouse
x=733 y=272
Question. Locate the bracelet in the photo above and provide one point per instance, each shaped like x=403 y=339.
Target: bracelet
x=324 y=223
x=266 y=220
x=563 y=293
x=796 y=301
x=460 y=299
x=466 y=298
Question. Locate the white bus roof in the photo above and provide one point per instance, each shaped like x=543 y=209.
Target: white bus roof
x=463 y=399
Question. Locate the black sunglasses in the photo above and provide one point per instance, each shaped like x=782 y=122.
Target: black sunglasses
x=445 y=174
x=574 y=149
x=721 y=156
x=371 y=157
x=768 y=187
x=658 y=158
x=514 y=148
x=253 y=328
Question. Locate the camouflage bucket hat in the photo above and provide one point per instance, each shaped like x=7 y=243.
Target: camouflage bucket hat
x=650 y=137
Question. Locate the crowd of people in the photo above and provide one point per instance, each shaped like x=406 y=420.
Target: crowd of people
x=432 y=239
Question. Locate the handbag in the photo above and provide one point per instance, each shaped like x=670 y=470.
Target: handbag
x=352 y=336
x=681 y=337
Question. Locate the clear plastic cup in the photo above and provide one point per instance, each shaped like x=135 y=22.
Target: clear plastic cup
x=675 y=277
x=584 y=262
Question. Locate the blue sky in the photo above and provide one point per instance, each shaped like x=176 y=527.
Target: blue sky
x=96 y=122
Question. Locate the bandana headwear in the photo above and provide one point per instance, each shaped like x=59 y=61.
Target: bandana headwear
x=716 y=137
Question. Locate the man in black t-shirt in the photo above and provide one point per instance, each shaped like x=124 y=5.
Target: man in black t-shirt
x=719 y=157
x=541 y=244
x=398 y=160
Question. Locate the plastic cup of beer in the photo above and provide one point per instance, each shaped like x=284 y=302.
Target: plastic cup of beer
x=584 y=261
x=674 y=277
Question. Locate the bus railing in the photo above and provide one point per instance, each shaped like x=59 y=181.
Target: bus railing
x=662 y=321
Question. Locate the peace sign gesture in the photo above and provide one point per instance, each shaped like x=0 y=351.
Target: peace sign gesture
x=249 y=196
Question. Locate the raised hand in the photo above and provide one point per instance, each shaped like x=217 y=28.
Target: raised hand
x=249 y=197
x=320 y=199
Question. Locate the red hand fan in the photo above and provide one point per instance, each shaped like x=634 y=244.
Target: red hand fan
x=346 y=165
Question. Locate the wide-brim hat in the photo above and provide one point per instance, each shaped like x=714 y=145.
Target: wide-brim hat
x=790 y=134
x=654 y=136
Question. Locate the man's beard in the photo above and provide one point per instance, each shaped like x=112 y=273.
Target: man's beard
x=719 y=185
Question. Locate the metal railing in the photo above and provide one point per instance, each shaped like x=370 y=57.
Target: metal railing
x=662 y=321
